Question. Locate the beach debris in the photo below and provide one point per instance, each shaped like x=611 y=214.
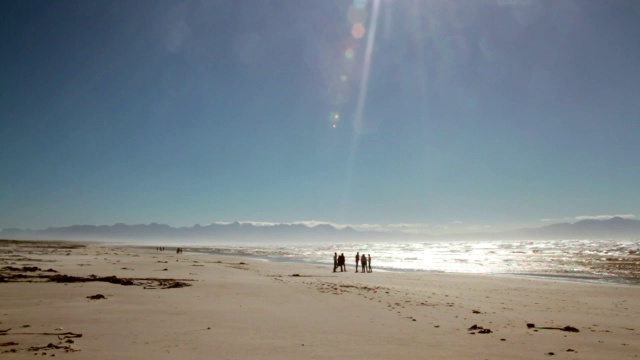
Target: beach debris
x=51 y=346
x=72 y=279
x=570 y=329
x=10 y=343
x=61 y=336
x=551 y=353
x=480 y=329
x=476 y=311
x=26 y=269
x=96 y=297
x=62 y=278
x=564 y=328
x=175 y=285
x=171 y=284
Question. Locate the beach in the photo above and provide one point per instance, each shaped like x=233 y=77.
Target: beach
x=163 y=305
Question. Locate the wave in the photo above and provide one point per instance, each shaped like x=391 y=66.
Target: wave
x=606 y=260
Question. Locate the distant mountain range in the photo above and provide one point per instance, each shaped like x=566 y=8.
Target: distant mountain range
x=160 y=232
x=614 y=228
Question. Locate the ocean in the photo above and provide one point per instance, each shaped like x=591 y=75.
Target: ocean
x=579 y=260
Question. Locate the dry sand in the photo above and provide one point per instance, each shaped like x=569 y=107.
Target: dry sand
x=239 y=308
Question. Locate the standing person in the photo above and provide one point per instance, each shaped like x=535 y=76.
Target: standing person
x=363 y=258
x=335 y=261
x=357 y=260
x=369 y=261
x=343 y=267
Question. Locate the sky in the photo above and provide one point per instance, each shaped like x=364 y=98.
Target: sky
x=421 y=116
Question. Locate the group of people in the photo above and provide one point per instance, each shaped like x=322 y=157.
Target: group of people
x=162 y=248
x=364 y=260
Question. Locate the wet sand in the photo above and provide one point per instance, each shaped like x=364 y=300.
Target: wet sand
x=201 y=306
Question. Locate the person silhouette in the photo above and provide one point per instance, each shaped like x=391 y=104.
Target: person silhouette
x=369 y=262
x=343 y=267
x=357 y=260
x=335 y=261
x=363 y=258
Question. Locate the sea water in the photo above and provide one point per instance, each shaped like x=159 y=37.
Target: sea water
x=578 y=259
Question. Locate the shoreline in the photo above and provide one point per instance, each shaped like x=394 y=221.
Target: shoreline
x=238 y=307
x=579 y=278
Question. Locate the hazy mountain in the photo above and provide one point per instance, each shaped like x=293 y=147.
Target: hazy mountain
x=161 y=232
x=614 y=228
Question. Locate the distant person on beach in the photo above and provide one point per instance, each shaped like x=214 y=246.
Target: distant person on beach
x=363 y=258
x=369 y=262
x=357 y=260
x=341 y=261
x=335 y=261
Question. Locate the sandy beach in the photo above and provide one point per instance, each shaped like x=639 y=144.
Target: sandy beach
x=150 y=304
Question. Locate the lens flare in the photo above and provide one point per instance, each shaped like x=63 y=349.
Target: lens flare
x=349 y=53
x=359 y=113
x=357 y=31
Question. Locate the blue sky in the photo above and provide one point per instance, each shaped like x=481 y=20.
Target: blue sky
x=434 y=116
